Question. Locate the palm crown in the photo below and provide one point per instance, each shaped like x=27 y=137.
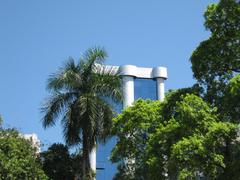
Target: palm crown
x=79 y=96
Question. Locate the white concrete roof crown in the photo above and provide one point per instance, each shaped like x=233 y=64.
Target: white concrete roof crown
x=138 y=72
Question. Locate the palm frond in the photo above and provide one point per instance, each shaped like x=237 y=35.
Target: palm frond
x=93 y=118
x=92 y=113
x=104 y=121
x=71 y=123
x=95 y=55
x=68 y=77
x=107 y=83
x=90 y=58
x=54 y=106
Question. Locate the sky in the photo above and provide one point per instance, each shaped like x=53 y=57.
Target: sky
x=36 y=37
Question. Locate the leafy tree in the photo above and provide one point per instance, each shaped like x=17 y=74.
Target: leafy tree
x=173 y=96
x=191 y=117
x=231 y=102
x=184 y=145
x=79 y=95
x=216 y=60
x=216 y=66
x=18 y=159
x=57 y=162
x=76 y=158
x=132 y=128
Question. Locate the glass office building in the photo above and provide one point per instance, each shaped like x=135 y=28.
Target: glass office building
x=145 y=83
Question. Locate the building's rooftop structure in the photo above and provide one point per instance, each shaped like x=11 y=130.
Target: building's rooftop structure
x=33 y=138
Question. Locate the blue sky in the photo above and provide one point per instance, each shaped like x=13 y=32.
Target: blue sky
x=37 y=36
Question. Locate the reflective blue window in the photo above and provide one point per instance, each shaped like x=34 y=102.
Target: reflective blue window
x=145 y=89
x=105 y=169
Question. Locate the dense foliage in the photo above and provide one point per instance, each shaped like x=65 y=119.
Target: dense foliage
x=57 y=163
x=18 y=159
x=187 y=144
x=132 y=128
x=216 y=66
x=216 y=60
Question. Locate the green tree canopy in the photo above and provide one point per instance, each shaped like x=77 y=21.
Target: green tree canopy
x=184 y=145
x=216 y=60
x=58 y=163
x=18 y=159
x=132 y=127
x=216 y=66
x=231 y=103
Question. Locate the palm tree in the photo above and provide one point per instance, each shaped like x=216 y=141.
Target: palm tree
x=80 y=95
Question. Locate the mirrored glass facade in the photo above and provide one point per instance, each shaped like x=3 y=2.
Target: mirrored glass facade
x=143 y=88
